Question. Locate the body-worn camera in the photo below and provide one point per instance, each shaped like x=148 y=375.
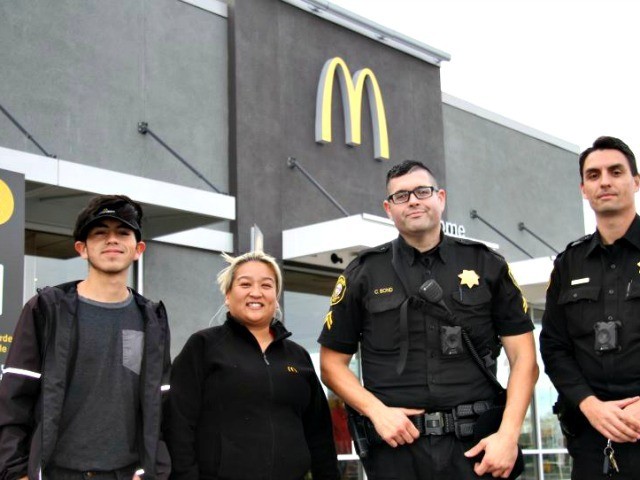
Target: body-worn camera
x=451 y=340
x=606 y=337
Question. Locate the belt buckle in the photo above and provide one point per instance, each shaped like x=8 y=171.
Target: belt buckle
x=433 y=423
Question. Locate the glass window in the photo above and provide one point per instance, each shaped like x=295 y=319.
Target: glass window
x=546 y=395
x=550 y=432
x=341 y=435
x=304 y=315
x=306 y=302
x=350 y=470
x=556 y=466
x=530 y=468
x=40 y=272
x=528 y=432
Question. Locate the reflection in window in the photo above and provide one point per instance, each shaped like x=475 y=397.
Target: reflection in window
x=546 y=395
x=530 y=468
x=528 y=432
x=556 y=466
x=304 y=315
x=350 y=470
x=341 y=435
x=41 y=272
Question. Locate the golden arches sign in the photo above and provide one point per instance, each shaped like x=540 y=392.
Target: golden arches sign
x=352 y=92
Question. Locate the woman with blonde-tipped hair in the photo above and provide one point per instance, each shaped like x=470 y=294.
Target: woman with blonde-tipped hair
x=245 y=402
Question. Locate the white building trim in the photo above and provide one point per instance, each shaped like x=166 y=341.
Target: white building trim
x=62 y=173
x=364 y=26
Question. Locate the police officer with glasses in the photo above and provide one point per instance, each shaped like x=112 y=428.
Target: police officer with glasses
x=424 y=393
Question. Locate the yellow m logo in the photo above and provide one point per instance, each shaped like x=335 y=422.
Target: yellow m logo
x=352 y=91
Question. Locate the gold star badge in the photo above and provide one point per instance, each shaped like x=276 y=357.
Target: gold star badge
x=469 y=278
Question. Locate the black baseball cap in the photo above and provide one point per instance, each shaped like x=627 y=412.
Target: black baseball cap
x=116 y=207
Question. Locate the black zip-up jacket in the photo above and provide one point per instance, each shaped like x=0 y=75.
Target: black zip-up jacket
x=237 y=413
x=38 y=368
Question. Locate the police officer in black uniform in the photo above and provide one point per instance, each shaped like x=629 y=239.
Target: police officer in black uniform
x=415 y=365
x=590 y=340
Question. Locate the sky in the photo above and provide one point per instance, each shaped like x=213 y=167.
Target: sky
x=569 y=68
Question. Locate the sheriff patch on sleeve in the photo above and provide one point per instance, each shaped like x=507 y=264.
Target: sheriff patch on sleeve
x=338 y=290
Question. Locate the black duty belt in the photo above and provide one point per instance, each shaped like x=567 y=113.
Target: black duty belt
x=436 y=423
x=459 y=421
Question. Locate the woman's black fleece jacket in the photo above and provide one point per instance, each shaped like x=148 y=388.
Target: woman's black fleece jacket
x=236 y=413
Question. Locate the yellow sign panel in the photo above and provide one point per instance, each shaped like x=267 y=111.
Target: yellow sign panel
x=6 y=203
x=352 y=91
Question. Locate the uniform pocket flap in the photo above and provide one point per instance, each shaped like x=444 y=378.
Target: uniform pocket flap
x=633 y=291
x=385 y=301
x=472 y=296
x=580 y=293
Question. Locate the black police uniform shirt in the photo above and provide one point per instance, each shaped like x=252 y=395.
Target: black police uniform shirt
x=592 y=282
x=365 y=309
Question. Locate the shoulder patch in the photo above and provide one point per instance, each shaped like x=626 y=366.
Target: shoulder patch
x=339 y=290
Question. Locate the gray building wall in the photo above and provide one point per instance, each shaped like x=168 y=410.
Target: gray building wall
x=80 y=74
x=510 y=177
x=185 y=280
x=278 y=52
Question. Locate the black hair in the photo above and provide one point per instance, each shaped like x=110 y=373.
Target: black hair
x=407 y=166
x=609 y=143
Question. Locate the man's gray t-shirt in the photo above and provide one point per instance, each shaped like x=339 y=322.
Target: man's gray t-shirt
x=101 y=414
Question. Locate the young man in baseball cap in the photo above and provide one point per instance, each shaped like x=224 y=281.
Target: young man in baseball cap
x=81 y=390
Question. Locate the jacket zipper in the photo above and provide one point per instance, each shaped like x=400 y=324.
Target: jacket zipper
x=273 y=439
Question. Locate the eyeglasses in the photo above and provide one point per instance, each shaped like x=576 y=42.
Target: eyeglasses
x=420 y=193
